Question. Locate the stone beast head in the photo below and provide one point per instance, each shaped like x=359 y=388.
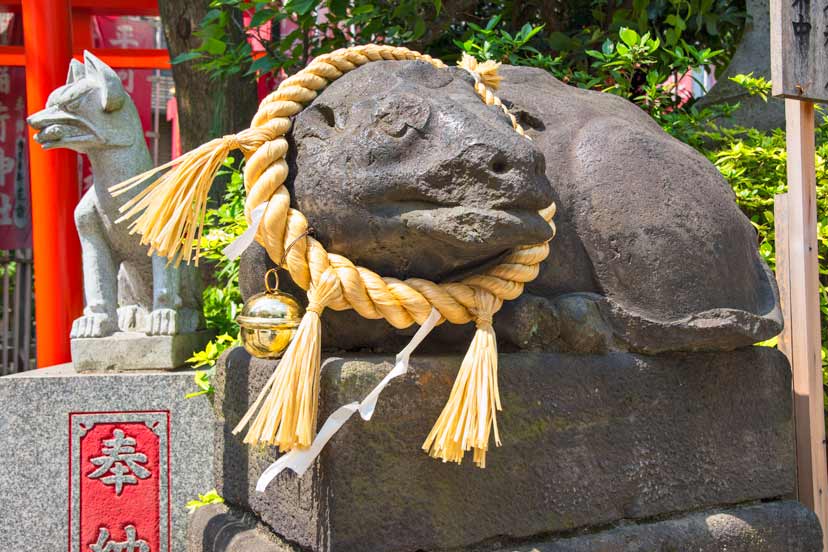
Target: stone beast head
x=92 y=110
x=401 y=167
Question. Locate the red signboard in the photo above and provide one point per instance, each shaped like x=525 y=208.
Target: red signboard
x=15 y=230
x=119 y=481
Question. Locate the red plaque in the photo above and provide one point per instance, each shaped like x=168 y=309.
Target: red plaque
x=119 y=482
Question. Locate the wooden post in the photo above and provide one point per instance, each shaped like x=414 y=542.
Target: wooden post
x=806 y=342
x=781 y=228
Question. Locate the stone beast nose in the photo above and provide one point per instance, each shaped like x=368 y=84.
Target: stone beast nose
x=38 y=120
x=506 y=176
x=491 y=166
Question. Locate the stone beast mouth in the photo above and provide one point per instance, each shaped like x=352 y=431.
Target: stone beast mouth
x=476 y=231
x=58 y=134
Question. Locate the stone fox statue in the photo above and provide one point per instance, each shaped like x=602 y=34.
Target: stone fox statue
x=93 y=114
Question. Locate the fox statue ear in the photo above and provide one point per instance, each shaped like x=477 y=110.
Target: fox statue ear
x=112 y=91
x=76 y=71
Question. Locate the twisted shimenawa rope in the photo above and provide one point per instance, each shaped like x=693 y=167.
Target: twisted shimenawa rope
x=174 y=232
x=401 y=303
x=169 y=213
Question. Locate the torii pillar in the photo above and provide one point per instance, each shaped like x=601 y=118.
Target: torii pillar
x=58 y=283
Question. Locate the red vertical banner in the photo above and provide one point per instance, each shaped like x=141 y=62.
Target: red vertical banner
x=119 y=481
x=15 y=221
x=15 y=227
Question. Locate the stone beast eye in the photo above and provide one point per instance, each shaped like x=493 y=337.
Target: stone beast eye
x=73 y=106
x=394 y=115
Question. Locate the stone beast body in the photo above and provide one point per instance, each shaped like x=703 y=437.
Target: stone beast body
x=92 y=114
x=399 y=167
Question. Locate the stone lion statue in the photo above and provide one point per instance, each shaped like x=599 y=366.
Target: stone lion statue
x=652 y=253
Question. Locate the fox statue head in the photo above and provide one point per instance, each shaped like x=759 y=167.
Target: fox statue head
x=91 y=111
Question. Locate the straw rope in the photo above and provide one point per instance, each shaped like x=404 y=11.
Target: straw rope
x=401 y=303
x=174 y=232
x=169 y=216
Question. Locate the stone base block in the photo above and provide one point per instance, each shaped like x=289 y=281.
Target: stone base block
x=54 y=429
x=588 y=441
x=131 y=351
x=771 y=527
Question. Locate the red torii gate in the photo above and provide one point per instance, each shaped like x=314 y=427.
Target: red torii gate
x=54 y=31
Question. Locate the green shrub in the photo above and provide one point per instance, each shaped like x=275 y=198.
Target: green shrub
x=221 y=299
x=754 y=164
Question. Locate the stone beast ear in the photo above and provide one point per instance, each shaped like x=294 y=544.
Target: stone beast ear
x=76 y=71
x=112 y=91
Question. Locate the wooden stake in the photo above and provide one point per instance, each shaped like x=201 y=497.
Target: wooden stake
x=812 y=472
x=781 y=229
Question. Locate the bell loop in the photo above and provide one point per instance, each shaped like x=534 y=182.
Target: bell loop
x=274 y=275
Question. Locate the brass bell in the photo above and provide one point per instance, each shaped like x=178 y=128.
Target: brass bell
x=269 y=320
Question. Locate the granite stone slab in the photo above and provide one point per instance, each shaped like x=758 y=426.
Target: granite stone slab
x=132 y=351
x=34 y=439
x=783 y=526
x=587 y=441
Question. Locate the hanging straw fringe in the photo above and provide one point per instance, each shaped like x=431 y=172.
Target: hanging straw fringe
x=470 y=413
x=169 y=212
x=290 y=398
x=486 y=71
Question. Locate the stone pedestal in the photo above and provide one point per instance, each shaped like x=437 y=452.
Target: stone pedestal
x=781 y=526
x=82 y=453
x=133 y=351
x=588 y=442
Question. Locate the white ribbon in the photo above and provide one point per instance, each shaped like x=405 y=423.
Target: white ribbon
x=237 y=246
x=300 y=460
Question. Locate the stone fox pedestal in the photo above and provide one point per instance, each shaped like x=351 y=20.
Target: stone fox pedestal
x=689 y=451
x=100 y=462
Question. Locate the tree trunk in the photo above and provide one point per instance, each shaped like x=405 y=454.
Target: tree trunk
x=206 y=108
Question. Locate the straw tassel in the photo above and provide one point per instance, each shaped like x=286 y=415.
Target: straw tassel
x=290 y=398
x=169 y=212
x=467 y=419
x=486 y=71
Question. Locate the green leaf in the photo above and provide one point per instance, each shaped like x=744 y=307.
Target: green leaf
x=419 y=28
x=264 y=64
x=629 y=36
x=186 y=56
x=302 y=7
x=339 y=7
x=211 y=497
x=362 y=10
x=261 y=17
x=214 y=47
x=608 y=47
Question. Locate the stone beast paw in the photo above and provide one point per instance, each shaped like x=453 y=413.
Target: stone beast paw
x=96 y=324
x=163 y=322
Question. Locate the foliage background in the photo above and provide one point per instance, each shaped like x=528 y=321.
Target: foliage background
x=631 y=48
